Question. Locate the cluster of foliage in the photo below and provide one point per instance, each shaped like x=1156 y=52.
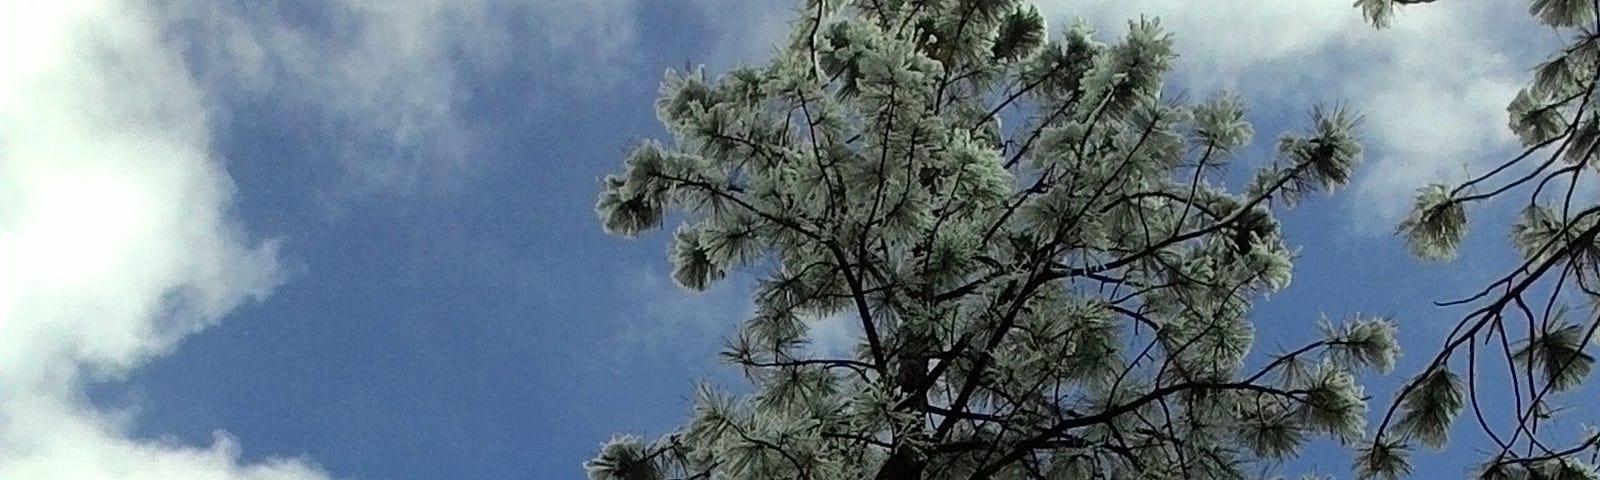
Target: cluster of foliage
x=1066 y=297
x=1522 y=316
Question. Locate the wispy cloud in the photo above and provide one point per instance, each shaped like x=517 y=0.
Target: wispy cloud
x=681 y=325
x=744 y=32
x=391 y=80
x=834 y=336
x=673 y=322
x=116 y=240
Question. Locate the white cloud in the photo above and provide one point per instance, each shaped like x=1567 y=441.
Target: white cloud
x=115 y=229
x=65 y=443
x=115 y=240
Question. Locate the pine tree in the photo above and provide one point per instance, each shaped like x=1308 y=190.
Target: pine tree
x=1065 y=297
x=1523 y=317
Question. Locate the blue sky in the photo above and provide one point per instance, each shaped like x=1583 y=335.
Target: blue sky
x=342 y=239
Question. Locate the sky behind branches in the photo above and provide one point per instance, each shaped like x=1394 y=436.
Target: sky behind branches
x=346 y=239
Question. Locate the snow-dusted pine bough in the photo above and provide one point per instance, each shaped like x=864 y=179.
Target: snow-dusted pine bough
x=1520 y=323
x=1065 y=295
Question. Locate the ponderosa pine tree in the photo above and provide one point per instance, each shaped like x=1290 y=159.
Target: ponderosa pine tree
x=1063 y=298
x=1522 y=323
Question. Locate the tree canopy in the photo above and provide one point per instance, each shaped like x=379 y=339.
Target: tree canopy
x=1049 y=277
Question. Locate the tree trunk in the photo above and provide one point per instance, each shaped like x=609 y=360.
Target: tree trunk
x=910 y=374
